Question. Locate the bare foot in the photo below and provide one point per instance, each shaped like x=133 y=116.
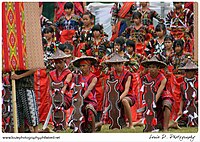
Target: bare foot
x=165 y=131
x=175 y=125
x=138 y=123
x=131 y=127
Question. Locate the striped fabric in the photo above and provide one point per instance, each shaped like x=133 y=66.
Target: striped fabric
x=21 y=35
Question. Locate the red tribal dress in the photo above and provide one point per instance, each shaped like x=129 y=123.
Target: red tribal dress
x=179 y=22
x=166 y=95
x=57 y=79
x=90 y=101
x=140 y=36
x=67 y=28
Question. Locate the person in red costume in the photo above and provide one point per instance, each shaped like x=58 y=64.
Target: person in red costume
x=180 y=23
x=61 y=75
x=164 y=99
x=84 y=33
x=88 y=92
x=189 y=97
x=138 y=32
x=127 y=96
x=68 y=24
x=148 y=15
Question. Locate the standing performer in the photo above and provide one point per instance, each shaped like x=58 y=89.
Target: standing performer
x=156 y=46
x=41 y=80
x=180 y=57
x=148 y=15
x=68 y=24
x=68 y=48
x=164 y=99
x=180 y=22
x=60 y=79
x=89 y=80
x=97 y=39
x=84 y=33
x=168 y=49
x=139 y=33
x=124 y=77
x=27 y=108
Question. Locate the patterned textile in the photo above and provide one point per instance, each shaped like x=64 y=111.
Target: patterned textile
x=154 y=47
x=26 y=107
x=25 y=82
x=21 y=50
x=126 y=13
x=183 y=19
x=138 y=35
x=148 y=15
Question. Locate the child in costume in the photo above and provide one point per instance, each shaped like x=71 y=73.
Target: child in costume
x=188 y=110
x=156 y=45
x=180 y=57
x=68 y=24
x=148 y=15
x=88 y=92
x=164 y=99
x=180 y=23
x=60 y=79
x=127 y=97
x=138 y=32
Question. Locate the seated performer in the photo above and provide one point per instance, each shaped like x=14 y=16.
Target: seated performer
x=189 y=97
x=127 y=98
x=164 y=99
x=89 y=80
x=60 y=75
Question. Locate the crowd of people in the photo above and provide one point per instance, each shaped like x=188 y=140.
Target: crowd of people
x=137 y=52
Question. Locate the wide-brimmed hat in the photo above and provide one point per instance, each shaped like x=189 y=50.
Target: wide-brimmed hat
x=59 y=55
x=77 y=60
x=190 y=65
x=153 y=60
x=116 y=58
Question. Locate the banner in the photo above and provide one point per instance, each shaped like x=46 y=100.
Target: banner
x=21 y=36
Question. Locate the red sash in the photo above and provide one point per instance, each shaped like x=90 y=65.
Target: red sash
x=124 y=9
x=115 y=35
x=60 y=78
x=67 y=35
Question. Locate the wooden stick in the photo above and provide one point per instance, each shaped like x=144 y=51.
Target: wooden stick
x=14 y=105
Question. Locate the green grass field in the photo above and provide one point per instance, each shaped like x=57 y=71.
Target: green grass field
x=138 y=129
